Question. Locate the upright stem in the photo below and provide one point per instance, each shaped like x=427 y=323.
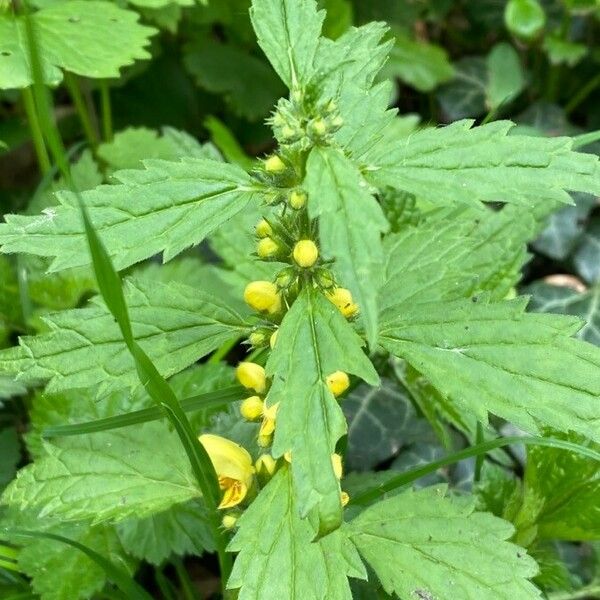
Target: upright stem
x=107 y=126
x=36 y=131
x=582 y=94
x=187 y=587
x=84 y=116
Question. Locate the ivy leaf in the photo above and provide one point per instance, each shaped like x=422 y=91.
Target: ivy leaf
x=167 y=207
x=465 y=95
x=288 y=32
x=547 y=298
x=350 y=224
x=314 y=341
x=484 y=164
x=560 y=493
x=520 y=366
x=427 y=545
x=277 y=559
x=182 y=529
x=93 y=39
x=175 y=324
x=587 y=254
x=107 y=476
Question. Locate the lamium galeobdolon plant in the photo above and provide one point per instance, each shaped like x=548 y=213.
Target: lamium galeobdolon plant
x=371 y=247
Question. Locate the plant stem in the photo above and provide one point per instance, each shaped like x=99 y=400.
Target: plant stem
x=36 y=130
x=72 y=84
x=187 y=587
x=222 y=351
x=107 y=126
x=582 y=94
x=591 y=591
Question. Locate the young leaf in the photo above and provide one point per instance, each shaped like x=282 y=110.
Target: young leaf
x=167 y=208
x=107 y=476
x=176 y=324
x=350 y=224
x=93 y=39
x=496 y=358
x=288 y=32
x=462 y=163
x=314 y=341
x=427 y=545
x=277 y=559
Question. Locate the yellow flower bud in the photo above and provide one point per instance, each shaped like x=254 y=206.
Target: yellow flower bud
x=344 y=498
x=336 y=461
x=265 y=465
x=273 y=338
x=305 y=253
x=252 y=408
x=263 y=296
x=252 y=376
x=267 y=426
x=229 y=521
x=267 y=248
x=263 y=229
x=264 y=441
x=297 y=199
x=233 y=466
x=288 y=456
x=274 y=164
x=338 y=383
x=342 y=298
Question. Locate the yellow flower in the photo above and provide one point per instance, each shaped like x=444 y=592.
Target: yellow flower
x=297 y=199
x=252 y=376
x=274 y=164
x=263 y=229
x=338 y=382
x=233 y=466
x=342 y=298
x=265 y=465
x=305 y=253
x=252 y=408
x=263 y=296
x=267 y=427
x=338 y=469
x=344 y=498
x=267 y=248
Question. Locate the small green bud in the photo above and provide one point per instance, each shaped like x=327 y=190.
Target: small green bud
x=285 y=277
x=274 y=164
x=263 y=229
x=324 y=278
x=318 y=127
x=297 y=199
x=259 y=338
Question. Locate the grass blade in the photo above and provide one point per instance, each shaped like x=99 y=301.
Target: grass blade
x=409 y=476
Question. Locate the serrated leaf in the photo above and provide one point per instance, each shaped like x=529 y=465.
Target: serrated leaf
x=560 y=493
x=461 y=163
x=548 y=298
x=248 y=84
x=167 y=207
x=314 y=341
x=277 y=559
x=182 y=529
x=380 y=421
x=419 y=64
x=107 y=476
x=426 y=545
x=288 y=32
x=496 y=358
x=175 y=324
x=350 y=224
x=91 y=38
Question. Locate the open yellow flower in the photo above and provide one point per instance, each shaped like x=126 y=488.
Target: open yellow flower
x=233 y=465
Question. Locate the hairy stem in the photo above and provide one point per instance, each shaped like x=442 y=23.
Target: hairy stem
x=36 y=130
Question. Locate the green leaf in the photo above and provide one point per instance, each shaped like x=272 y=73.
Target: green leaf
x=524 y=18
x=277 y=559
x=248 y=84
x=587 y=254
x=182 y=529
x=548 y=298
x=426 y=545
x=496 y=358
x=461 y=163
x=561 y=51
x=419 y=64
x=176 y=324
x=314 y=341
x=167 y=207
x=107 y=476
x=506 y=79
x=465 y=95
x=380 y=421
x=350 y=225
x=560 y=493
x=92 y=38
x=10 y=451
x=130 y=147
x=288 y=32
